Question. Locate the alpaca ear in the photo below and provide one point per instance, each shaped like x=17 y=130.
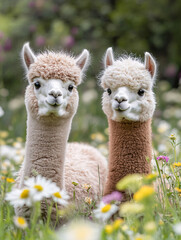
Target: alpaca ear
x=109 y=58
x=28 y=56
x=82 y=60
x=150 y=64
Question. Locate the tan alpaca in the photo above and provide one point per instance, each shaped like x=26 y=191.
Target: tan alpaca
x=129 y=103
x=51 y=101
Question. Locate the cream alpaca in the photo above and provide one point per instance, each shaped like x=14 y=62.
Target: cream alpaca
x=51 y=101
x=129 y=103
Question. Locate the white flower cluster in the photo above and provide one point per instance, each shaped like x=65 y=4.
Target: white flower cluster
x=35 y=189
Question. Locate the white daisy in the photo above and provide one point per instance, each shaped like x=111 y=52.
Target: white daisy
x=1 y=112
x=39 y=187
x=79 y=230
x=105 y=211
x=177 y=228
x=20 y=222
x=60 y=196
x=19 y=197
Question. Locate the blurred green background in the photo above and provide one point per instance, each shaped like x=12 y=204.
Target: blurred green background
x=127 y=25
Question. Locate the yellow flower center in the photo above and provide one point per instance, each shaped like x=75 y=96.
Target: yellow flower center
x=39 y=188
x=21 y=221
x=106 y=208
x=57 y=195
x=25 y=193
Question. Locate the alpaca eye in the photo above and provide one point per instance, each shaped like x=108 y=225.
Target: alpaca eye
x=109 y=91
x=37 y=85
x=70 y=88
x=141 y=92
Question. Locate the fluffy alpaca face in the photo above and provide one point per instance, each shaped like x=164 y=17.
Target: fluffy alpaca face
x=53 y=96
x=128 y=88
x=53 y=79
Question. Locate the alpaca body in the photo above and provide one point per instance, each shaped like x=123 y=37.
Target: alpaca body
x=129 y=148
x=51 y=101
x=129 y=103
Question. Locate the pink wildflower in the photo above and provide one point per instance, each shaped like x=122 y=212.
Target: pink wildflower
x=164 y=158
x=114 y=196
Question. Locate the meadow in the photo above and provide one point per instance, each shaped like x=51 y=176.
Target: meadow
x=154 y=211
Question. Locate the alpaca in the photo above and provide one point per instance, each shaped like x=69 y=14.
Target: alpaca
x=129 y=103
x=51 y=101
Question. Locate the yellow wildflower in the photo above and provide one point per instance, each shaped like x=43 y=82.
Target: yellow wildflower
x=19 y=139
x=178 y=164
x=151 y=176
x=2 y=142
x=99 y=137
x=10 y=180
x=3 y=134
x=109 y=229
x=117 y=223
x=143 y=192
x=178 y=190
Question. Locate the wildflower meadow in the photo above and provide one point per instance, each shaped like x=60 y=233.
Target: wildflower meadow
x=153 y=212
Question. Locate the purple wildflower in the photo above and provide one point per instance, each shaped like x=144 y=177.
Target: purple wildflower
x=1 y=35
x=7 y=45
x=40 y=41
x=114 y=196
x=69 y=41
x=32 y=4
x=164 y=158
x=171 y=71
x=32 y=28
x=55 y=8
x=74 y=30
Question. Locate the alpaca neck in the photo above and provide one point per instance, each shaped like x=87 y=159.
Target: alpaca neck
x=130 y=146
x=45 y=149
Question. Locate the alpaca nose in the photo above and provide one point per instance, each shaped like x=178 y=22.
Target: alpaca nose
x=55 y=93
x=120 y=99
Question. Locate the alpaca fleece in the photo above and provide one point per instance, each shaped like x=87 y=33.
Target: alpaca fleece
x=129 y=147
x=51 y=65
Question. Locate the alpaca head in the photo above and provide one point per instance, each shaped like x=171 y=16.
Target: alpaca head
x=53 y=79
x=128 y=87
